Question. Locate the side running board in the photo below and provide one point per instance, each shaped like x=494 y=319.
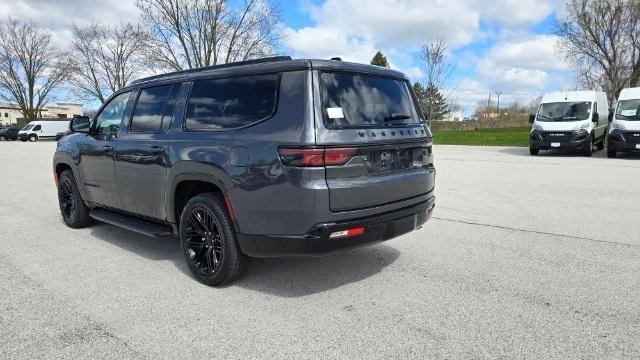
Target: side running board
x=131 y=223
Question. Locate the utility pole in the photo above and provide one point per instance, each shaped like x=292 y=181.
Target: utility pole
x=498 y=105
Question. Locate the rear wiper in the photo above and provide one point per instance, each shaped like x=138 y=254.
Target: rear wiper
x=394 y=116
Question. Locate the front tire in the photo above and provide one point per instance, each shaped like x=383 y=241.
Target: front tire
x=588 y=147
x=533 y=151
x=75 y=212
x=208 y=241
x=33 y=137
x=611 y=153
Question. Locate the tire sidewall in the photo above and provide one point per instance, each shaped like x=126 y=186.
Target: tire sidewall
x=230 y=250
x=33 y=138
x=81 y=218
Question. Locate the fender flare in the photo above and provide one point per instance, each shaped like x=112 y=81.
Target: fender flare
x=170 y=200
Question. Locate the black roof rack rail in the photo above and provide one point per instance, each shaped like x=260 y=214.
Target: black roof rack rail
x=212 y=67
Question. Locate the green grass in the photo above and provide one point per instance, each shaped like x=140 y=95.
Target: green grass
x=484 y=137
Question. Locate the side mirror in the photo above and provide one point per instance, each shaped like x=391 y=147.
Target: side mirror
x=595 y=118
x=80 y=124
x=610 y=116
x=532 y=118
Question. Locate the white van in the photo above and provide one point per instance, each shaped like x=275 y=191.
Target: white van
x=573 y=120
x=624 y=132
x=42 y=129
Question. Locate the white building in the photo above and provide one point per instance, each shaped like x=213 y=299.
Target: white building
x=454 y=116
x=9 y=114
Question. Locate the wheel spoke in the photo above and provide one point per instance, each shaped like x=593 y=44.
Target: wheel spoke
x=203 y=240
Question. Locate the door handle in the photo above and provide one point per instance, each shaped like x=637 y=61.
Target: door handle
x=156 y=149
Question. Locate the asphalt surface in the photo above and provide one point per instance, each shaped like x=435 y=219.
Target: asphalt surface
x=527 y=257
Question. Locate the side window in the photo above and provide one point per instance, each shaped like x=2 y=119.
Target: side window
x=109 y=119
x=153 y=110
x=220 y=104
x=37 y=128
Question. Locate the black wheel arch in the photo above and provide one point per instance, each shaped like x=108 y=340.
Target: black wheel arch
x=187 y=185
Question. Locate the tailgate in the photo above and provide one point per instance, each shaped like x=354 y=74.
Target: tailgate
x=382 y=174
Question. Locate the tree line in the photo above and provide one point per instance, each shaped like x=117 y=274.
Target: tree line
x=172 y=35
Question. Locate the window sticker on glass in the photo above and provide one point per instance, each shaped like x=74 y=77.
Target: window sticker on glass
x=335 y=113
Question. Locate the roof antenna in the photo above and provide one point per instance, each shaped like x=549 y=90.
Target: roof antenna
x=336 y=58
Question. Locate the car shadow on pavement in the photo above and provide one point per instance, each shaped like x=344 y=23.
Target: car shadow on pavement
x=156 y=249
x=284 y=277
x=297 y=277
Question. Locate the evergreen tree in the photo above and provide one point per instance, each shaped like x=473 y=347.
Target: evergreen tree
x=380 y=60
x=433 y=104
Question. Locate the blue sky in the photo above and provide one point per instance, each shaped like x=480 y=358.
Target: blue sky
x=495 y=45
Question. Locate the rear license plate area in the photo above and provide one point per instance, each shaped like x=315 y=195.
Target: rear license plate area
x=388 y=160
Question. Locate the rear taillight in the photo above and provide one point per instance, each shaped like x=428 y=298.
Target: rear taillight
x=316 y=157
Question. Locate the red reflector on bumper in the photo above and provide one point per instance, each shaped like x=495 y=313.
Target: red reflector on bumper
x=347 y=233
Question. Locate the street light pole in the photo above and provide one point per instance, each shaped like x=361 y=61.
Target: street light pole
x=498 y=105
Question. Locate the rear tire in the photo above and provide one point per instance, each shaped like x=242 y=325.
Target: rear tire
x=588 y=147
x=533 y=151
x=33 y=137
x=208 y=241
x=611 y=153
x=75 y=212
x=2 y=138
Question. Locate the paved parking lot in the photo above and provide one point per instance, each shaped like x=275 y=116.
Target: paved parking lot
x=526 y=257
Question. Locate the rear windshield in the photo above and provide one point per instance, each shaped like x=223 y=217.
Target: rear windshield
x=356 y=100
x=628 y=110
x=564 y=111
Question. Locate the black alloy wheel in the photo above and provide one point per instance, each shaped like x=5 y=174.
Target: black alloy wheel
x=67 y=198
x=73 y=209
x=208 y=241
x=203 y=241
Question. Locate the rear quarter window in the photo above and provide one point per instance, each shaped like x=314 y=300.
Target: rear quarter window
x=222 y=104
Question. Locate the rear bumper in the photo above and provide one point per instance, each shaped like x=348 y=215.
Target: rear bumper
x=316 y=242
x=576 y=141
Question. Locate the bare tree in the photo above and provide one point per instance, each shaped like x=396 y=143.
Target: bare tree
x=602 y=38
x=437 y=69
x=189 y=34
x=30 y=67
x=106 y=58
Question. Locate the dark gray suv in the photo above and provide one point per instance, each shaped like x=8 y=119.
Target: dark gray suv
x=264 y=158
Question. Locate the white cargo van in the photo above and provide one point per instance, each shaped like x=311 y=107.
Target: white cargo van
x=572 y=120
x=43 y=129
x=624 y=132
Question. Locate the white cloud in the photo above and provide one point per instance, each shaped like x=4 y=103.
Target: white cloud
x=540 y=51
x=58 y=16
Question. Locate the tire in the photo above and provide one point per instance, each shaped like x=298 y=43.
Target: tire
x=611 y=153
x=534 y=151
x=33 y=137
x=75 y=212
x=588 y=147
x=208 y=241
x=2 y=138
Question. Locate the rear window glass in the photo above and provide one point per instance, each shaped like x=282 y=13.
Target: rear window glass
x=355 y=100
x=152 y=109
x=231 y=103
